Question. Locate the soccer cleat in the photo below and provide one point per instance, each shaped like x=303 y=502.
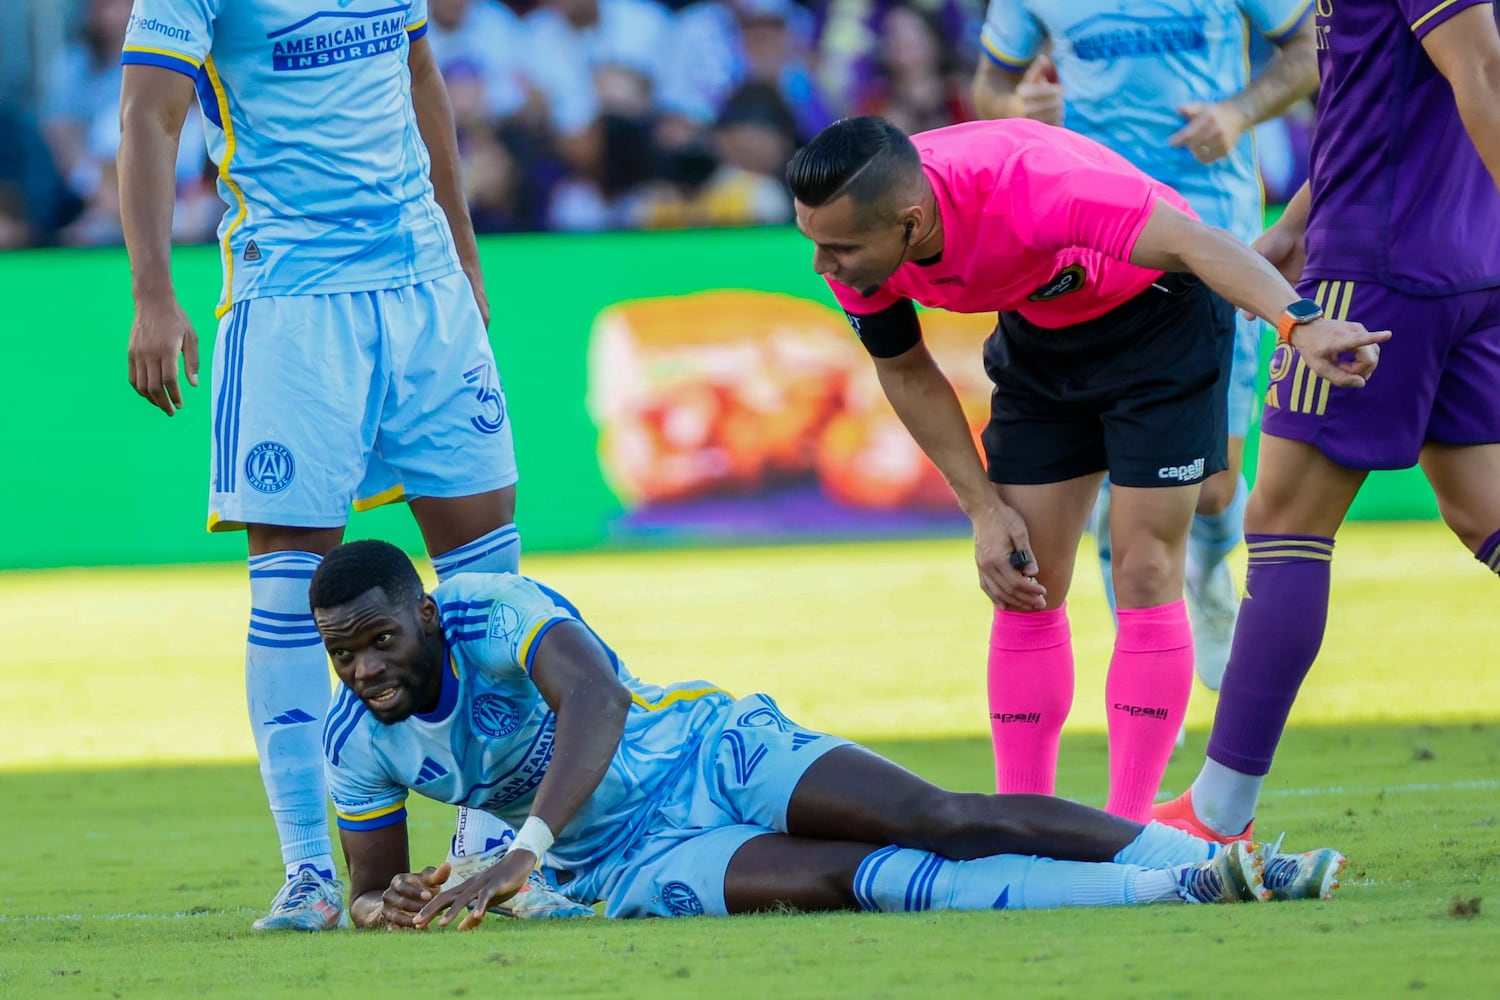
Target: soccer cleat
x=1314 y=875
x=1179 y=814
x=1235 y=874
x=537 y=900
x=308 y=902
x=1213 y=608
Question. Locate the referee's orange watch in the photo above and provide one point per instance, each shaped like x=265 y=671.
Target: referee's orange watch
x=1297 y=314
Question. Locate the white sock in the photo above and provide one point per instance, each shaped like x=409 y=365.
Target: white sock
x=1225 y=799
x=498 y=551
x=287 y=690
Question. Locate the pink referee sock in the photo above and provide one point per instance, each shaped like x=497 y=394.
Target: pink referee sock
x=1146 y=696
x=1031 y=692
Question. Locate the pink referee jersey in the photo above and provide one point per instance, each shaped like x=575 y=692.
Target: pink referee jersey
x=1036 y=220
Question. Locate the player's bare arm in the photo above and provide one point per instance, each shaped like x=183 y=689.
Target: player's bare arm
x=153 y=104
x=1034 y=94
x=1466 y=50
x=382 y=892
x=926 y=403
x=1213 y=130
x=1285 y=243
x=577 y=680
x=429 y=96
x=1173 y=241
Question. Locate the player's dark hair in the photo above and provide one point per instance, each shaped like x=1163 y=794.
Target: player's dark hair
x=355 y=567
x=866 y=158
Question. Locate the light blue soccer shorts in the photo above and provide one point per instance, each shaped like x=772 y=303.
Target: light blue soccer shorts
x=321 y=402
x=739 y=790
x=1242 y=373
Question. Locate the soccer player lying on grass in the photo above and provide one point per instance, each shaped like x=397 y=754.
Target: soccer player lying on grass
x=493 y=693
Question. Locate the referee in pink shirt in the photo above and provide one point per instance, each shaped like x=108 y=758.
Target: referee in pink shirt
x=1110 y=355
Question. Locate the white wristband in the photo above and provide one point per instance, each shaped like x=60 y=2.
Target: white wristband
x=534 y=836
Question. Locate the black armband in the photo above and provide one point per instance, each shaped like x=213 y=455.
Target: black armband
x=892 y=331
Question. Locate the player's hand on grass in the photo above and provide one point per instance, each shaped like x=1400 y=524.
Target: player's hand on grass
x=1007 y=569
x=1212 y=130
x=495 y=884
x=160 y=333
x=1039 y=93
x=409 y=892
x=1343 y=353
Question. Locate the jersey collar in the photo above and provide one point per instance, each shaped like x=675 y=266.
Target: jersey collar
x=449 y=695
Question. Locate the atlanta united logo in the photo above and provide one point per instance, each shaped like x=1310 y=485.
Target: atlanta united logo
x=269 y=467
x=681 y=900
x=495 y=717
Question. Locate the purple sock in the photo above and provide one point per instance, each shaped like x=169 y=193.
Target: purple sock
x=1282 y=617
x=1489 y=552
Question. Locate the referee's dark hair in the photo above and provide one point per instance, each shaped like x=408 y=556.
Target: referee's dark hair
x=355 y=567
x=866 y=158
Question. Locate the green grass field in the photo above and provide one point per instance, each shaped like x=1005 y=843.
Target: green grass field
x=139 y=846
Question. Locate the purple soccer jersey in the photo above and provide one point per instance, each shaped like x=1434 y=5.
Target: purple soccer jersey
x=1399 y=193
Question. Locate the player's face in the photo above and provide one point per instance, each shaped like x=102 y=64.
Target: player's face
x=849 y=246
x=390 y=656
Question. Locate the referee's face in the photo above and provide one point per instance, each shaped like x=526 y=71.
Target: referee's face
x=851 y=243
x=390 y=656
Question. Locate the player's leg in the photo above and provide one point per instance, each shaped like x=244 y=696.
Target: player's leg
x=1099 y=528
x=1150 y=671
x=1462 y=455
x=774 y=871
x=1318 y=443
x=1165 y=431
x=1466 y=480
x=1030 y=666
x=290 y=390
x=1049 y=454
x=1219 y=522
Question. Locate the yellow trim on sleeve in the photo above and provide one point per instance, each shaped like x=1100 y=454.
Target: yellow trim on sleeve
x=392 y=495
x=372 y=814
x=672 y=698
x=1008 y=61
x=1432 y=13
x=416 y=27
x=164 y=52
x=222 y=97
x=525 y=648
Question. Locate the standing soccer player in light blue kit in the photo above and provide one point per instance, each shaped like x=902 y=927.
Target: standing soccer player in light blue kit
x=1165 y=83
x=352 y=363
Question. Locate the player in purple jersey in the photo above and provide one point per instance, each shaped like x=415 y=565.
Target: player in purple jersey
x=1400 y=226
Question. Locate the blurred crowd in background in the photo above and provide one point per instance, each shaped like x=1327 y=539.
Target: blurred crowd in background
x=573 y=115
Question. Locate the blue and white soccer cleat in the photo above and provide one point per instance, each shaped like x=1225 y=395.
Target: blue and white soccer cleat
x=537 y=900
x=308 y=902
x=1236 y=874
x=1313 y=875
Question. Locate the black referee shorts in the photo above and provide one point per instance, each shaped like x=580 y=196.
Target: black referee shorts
x=1141 y=391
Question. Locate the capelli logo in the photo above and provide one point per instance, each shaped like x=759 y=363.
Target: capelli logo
x=1026 y=718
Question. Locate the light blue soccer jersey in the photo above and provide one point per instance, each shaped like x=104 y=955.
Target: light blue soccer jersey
x=1126 y=66
x=488 y=743
x=308 y=114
